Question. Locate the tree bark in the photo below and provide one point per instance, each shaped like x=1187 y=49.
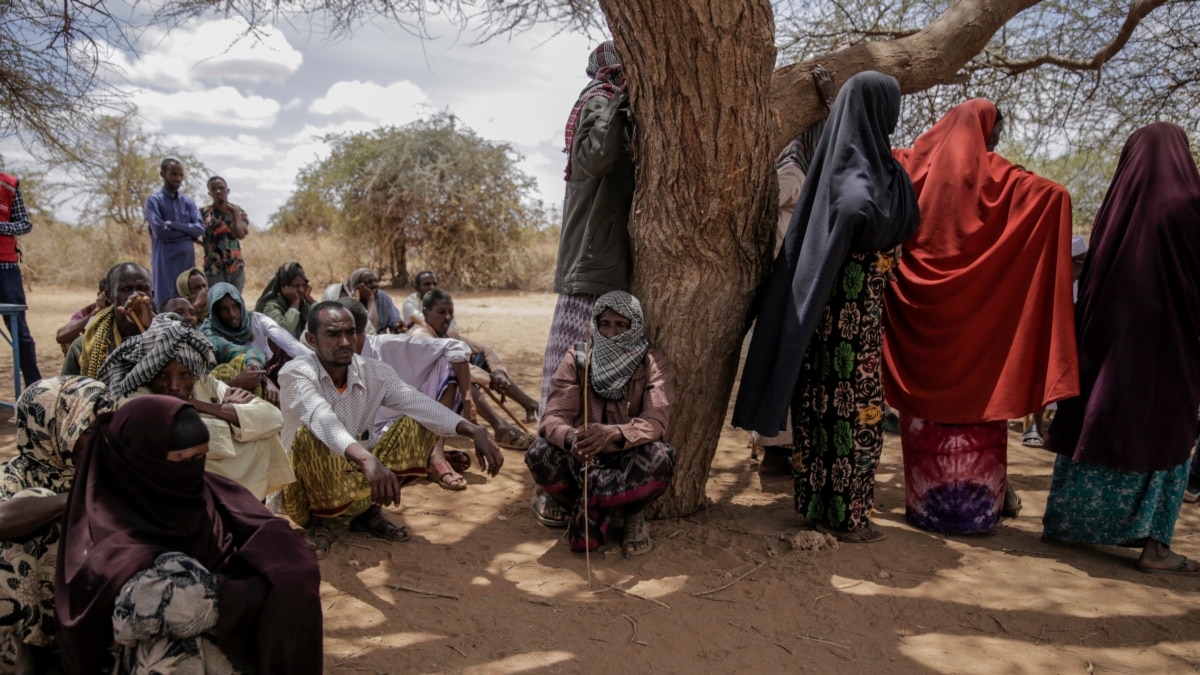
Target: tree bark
x=711 y=114
x=699 y=73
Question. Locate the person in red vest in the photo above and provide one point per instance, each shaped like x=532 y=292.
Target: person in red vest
x=14 y=222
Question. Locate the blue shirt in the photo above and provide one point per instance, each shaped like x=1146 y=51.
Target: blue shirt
x=173 y=221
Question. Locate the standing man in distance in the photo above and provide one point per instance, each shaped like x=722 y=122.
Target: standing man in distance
x=14 y=222
x=225 y=225
x=174 y=223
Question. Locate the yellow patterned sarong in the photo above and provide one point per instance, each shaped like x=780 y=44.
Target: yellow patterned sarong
x=329 y=486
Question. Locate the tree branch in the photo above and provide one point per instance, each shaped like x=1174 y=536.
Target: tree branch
x=922 y=60
x=1138 y=11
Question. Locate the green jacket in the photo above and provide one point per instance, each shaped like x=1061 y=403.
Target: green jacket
x=593 y=251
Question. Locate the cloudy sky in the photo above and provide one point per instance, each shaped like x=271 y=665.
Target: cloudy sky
x=253 y=108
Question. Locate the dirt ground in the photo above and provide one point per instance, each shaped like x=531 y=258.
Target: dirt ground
x=723 y=589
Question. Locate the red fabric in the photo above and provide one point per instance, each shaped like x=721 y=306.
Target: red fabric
x=8 y=192
x=979 y=325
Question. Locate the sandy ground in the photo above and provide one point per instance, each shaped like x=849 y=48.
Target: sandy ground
x=520 y=601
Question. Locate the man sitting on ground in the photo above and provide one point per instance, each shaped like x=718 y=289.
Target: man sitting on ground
x=433 y=367
x=172 y=358
x=79 y=320
x=130 y=310
x=184 y=308
x=343 y=470
x=627 y=391
x=487 y=370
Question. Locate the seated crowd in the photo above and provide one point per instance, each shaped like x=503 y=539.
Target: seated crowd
x=145 y=502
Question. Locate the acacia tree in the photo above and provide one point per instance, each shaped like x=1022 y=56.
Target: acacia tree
x=432 y=188
x=712 y=112
x=121 y=172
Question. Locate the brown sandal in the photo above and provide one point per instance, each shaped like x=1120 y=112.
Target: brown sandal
x=637 y=538
x=374 y=523
x=511 y=438
x=438 y=471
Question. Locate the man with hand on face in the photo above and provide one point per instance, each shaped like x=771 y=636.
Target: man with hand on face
x=607 y=414
x=329 y=400
x=225 y=226
x=174 y=223
x=130 y=310
x=172 y=358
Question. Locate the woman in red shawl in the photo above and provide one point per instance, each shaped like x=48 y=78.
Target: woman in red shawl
x=165 y=566
x=1117 y=480
x=978 y=327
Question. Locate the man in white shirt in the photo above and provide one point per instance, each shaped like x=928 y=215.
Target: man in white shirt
x=343 y=470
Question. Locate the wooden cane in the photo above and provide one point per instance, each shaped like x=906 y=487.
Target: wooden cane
x=587 y=540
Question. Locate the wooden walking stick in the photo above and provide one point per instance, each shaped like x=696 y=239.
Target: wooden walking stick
x=587 y=384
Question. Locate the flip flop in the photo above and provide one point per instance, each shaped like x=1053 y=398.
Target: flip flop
x=867 y=536
x=458 y=460
x=437 y=473
x=1032 y=439
x=374 y=523
x=636 y=534
x=511 y=438
x=320 y=539
x=1181 y=568
x=548 y=512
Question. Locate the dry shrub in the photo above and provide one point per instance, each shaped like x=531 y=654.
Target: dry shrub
x=56 y=254
x=76 y=257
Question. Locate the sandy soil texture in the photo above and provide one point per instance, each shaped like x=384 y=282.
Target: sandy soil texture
x=483 y=588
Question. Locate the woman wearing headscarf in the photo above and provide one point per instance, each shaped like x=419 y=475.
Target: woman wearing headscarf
x=160 y=560
x=192 y=285
x=978 y=324
x=593 y=249
x=173 y=359
x=287 y=298
x=1117 y=480
x=604 y=423
x=817 y=337
x=363 y=285
x=53 y=416
x=244 y=341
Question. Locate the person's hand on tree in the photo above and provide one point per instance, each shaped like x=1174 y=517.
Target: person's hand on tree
x=249 y=379
x=237 y=396
x=596 y=439
x=138 y=307
x=385 y=486
x=823 y=81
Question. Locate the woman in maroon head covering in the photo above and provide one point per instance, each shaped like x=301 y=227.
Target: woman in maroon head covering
x=1118 y=480
x=173 y=564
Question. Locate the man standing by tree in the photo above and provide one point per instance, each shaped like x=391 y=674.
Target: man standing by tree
x=14 y=222
x=174 y=222
x=225 y=225
x=593 y=250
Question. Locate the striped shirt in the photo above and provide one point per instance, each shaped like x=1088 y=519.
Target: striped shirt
x=309 y=398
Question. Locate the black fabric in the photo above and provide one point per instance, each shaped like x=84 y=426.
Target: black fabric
x=129 y=504
x=856 y=197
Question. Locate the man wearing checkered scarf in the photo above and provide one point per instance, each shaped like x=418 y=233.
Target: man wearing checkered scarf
x=172 y=358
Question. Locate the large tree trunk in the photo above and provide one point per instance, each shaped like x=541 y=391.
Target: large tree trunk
x=699 y=72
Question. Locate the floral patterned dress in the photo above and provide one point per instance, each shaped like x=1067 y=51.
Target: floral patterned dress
x=837 y=404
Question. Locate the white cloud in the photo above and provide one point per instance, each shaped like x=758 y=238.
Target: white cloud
x=209 y=51
x=398 y=103
x=223 y=106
